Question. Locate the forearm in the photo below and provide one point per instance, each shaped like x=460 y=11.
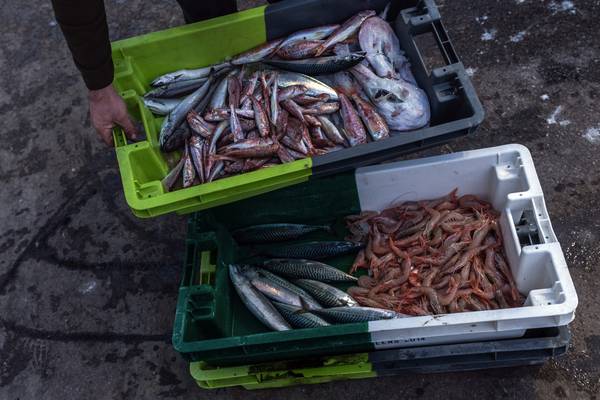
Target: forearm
x=83 y=23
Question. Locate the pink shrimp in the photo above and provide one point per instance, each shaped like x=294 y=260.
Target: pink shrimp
x=359 y=262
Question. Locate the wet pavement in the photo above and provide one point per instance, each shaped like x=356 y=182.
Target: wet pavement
x=87 y=291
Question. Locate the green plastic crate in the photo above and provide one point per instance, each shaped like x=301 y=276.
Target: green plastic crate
x=139 y=60
x=455 y=108
x=283 y=374
x=537 y=347
x=212 y=324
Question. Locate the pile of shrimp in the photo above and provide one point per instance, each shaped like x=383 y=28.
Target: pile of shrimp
x=433 y=257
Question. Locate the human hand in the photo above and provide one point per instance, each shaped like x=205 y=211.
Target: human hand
x=107 y=109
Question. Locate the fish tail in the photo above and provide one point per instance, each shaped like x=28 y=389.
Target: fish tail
x=328 y=228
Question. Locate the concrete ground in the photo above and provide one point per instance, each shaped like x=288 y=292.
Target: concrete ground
x=87 y=291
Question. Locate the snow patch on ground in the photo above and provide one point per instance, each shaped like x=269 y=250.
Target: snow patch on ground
x=562 y=6
x=489 y=35
x=592 y=135
x=471 y=71
x=517 y=37
x=88 y=287
x=553 y=118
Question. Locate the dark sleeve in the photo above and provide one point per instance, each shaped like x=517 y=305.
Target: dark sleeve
x=83 y=22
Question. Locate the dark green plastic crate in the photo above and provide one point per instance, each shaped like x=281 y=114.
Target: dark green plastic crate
x=212 y=324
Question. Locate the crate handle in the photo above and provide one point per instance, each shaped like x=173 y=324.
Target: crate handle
x=424 y=18
x=207 y=241
x=119 y=138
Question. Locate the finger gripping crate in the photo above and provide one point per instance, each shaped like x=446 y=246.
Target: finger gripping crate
x=455 y=108
x=226 y=333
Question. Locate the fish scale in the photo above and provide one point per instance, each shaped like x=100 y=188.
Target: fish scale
x=256 y=302
x=298 y=319
x=268 y=233
x=307 y=298
x=307 y=269
x=325 y=294
x=355 y=314
x=313 y=250
x=318 y=66
x=270 y=288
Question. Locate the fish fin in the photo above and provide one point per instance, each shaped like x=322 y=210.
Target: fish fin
x=383 y=15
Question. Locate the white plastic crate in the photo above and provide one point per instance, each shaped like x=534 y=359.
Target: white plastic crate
x=506 y=177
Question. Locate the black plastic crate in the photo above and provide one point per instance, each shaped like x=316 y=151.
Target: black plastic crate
x=455 y=108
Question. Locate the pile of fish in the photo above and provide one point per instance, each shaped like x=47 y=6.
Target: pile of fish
x=433 y=257
x=261 y=107
x=294 y=292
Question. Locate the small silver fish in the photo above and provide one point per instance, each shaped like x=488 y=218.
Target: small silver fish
x=176 y=89
x=248 y=90
x=299 y=50
x=256 y=302
x=187 y=74
x=299 y=319
x=331 y=131
x=295 y=146
x=307 y=269
x=273 y=290
x=313 y=250
x=355 y=314
x=268 y=233
x=189 y=172
x=307 y=298
x=250 y=148
x=161 y=106
x=178 y=115
x=317 y=33
x=320 y=65
x=256 y=54
x=212 y=147
x=199 y=125
x=274 y=102
x=177 y=140
x=221 y=114
x=169 y=180
x=314 y=87
x=294 y=109
x=215 y=170
x=346 y=30
x=261 y=118
x=290 y=92
x=323 y=108
x=196 y=149
x=220 y=94
x=325 y=294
